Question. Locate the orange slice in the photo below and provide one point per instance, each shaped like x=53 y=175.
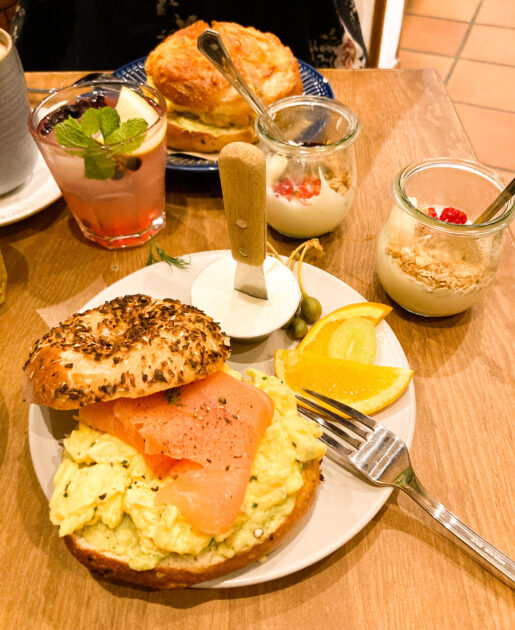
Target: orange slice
x=354 y=339
x=325 y=333
x=367 y=388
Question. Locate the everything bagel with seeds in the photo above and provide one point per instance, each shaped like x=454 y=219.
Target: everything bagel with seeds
x=131 y=346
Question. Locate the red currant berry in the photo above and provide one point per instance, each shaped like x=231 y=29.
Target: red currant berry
x=453 y=215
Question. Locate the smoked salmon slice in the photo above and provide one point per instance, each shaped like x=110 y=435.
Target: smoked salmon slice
x=208 y=498
x=203 y=436
x=102 y=416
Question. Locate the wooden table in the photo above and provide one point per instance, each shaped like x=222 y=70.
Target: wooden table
x=399 y=571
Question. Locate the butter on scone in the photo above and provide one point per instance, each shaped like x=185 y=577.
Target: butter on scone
x=204 y=111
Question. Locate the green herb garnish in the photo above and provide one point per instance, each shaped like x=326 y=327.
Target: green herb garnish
x=173 y=396
x=100 y=161
x=173 y=262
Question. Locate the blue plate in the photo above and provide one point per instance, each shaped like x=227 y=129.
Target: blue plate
x=314 y=84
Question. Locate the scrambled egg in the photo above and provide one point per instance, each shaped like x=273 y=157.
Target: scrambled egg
x=105 y=491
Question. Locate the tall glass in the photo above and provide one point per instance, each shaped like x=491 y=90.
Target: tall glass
x=119 y=199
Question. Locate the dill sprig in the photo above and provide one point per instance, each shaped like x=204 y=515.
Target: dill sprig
x=161 y=254
x=173 y=396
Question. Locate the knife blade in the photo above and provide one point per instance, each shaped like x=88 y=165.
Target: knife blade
x=242 y=169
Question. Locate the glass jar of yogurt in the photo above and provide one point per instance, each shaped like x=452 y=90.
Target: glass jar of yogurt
x=431 y=258
x=311 y=175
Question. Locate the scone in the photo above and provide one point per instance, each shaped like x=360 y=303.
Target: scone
x=204 y=111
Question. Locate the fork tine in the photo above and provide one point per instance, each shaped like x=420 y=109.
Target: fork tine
x=333 y=429
x=333 y=416
x=350 y=411
x=336 y=451
x=336 y=448
x=335 y=445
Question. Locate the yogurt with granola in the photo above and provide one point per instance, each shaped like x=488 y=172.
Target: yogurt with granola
x=434 y=271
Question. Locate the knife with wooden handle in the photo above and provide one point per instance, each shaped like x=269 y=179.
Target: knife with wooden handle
x=242 y=170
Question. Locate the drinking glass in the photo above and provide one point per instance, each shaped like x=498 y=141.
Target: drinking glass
x=124 y=204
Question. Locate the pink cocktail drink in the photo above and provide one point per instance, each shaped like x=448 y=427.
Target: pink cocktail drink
x=114 y=185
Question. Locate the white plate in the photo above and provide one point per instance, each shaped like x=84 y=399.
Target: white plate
x=36 y=193
x=344 y=504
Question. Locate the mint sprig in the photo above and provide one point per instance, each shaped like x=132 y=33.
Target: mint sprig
x=82 y=140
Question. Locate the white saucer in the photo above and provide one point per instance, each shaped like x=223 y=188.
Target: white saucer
x=242 y=316
x=38 y=192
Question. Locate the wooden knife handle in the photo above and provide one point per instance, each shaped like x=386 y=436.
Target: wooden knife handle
x=242 y=168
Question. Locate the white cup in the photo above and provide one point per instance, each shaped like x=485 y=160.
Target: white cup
x=18 y=150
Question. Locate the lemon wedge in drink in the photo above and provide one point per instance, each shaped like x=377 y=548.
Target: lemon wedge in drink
x=367 y=388
x=132 y=105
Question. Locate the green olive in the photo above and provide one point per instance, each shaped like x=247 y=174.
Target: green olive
x=311 y=308
x=298 y=328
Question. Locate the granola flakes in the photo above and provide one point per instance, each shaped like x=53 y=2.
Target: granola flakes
x=442 y=263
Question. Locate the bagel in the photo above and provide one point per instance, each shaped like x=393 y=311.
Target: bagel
x=181 y=477
x=177 y=571
x=131 y=346
x=204 y=111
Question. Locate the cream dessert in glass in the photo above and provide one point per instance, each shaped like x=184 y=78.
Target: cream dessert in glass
x=311 y=175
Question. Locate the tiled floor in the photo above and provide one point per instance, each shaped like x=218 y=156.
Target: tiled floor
x=471 y=43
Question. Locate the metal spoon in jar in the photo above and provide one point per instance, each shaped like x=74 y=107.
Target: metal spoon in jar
x=210 y=44
x=502 y=199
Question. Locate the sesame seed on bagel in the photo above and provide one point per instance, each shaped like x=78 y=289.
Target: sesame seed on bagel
x=129 y=347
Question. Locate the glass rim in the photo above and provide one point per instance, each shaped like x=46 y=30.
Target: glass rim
x=97 y=83
x=304 y=99
x=497 y=223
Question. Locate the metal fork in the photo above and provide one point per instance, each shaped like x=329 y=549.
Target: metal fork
x=382 y=457
x=92 y=76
